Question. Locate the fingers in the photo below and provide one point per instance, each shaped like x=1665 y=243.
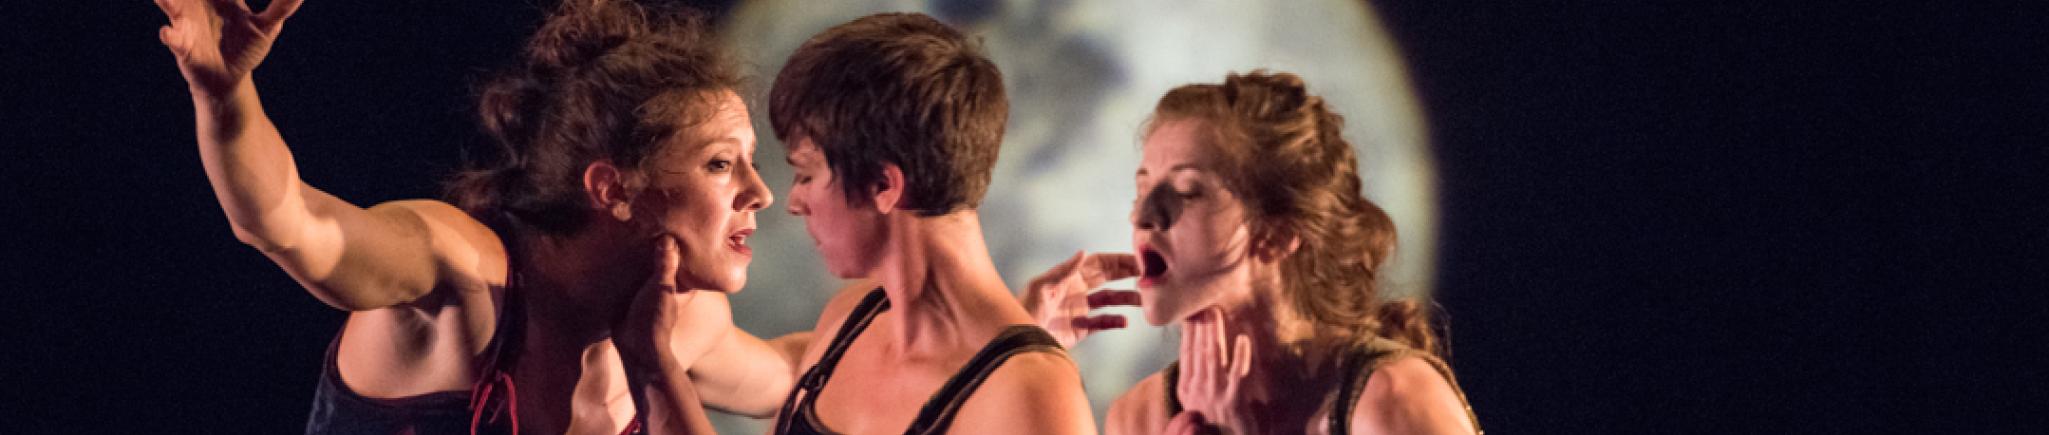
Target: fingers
x=278 y=11
x=164 y=36
x=1066 y=267
x=170 y=10
x=1186 y=423
x=1114 y=298
x=1098 y=323
x=1241 y=358
x=1109 y=266
x=668 y=258
x=1059 y=272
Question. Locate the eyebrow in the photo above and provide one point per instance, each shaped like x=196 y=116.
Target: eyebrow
x=1175 y=168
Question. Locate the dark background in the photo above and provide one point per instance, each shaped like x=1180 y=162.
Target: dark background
x=1695 y=218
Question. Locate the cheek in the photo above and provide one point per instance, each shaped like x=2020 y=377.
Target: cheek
x=1202 y=241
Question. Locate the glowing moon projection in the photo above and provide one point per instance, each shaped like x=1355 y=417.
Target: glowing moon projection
x=1082 y=78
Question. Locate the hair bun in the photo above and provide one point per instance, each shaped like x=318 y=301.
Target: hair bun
x=583 y=31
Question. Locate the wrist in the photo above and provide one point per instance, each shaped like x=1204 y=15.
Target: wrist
x=221 y=95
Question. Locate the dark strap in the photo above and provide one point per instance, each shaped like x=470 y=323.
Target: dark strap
x=939 y=411
x=1357 y=367
x=864 y=314
x=1173 y=375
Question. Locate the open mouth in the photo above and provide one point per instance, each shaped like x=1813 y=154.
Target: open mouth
x=1152 y=264
x=738 y=241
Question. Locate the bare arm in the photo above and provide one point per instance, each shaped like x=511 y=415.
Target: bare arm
x=1409 y=397
x=347 y=256
x=1141 y=410
x=749 y=376
x=746 y=375
x=670 y=403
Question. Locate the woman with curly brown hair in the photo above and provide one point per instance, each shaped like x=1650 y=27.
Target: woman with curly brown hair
x=1250 y=231
x=558 y=277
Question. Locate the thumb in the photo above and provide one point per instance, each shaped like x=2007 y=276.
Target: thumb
x=1067 y=267
x=275 y=14
x=668 y=258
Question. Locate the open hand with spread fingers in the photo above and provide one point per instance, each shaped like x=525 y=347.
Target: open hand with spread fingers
x=218 y=42
x=1062 y=297
x=1214 y=363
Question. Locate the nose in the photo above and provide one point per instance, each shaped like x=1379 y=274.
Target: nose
x=1156 y=210
x=755 y=196
x=796 y=205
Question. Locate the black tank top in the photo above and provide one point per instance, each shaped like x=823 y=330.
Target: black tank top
x=799 y=418
x=489 y=407
x=1357 y=365
x=339 y=410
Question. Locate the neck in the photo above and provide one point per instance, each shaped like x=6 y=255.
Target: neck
x=938 y=272
x=565 y=291
x=1288 y=356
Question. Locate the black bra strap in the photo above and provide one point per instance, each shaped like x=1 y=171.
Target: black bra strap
x=864 y=314
x=938 y=412
x=1173 y=387
x=1355 y=370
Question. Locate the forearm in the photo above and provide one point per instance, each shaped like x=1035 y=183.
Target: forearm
x=748 y=376
x=252 y=172
x=667 y=402
x=349 y=257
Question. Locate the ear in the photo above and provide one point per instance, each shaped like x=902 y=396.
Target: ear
x=604 y=189
x=1275 y=247
x=888 y=191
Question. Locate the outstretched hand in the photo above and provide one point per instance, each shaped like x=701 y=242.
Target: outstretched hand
x=1060 y=299
x=218 y=42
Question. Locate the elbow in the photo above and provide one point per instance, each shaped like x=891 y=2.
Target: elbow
x=256 y=238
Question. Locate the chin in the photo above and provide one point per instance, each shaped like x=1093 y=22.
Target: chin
x=1150 y=306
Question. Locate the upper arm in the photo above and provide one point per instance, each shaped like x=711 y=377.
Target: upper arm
x=1408 y=396
x=1141 y=410
x=1031 y=393
x=361 y=259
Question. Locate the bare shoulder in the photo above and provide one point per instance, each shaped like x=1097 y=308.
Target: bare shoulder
x=470 y=254
x=1032 y=392
x=1408 y=395
x=830 y=319
x=1141 y=409
x=426 y=342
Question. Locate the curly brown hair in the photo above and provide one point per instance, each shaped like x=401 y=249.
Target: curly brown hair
x=600 y=79
x=1282 y=151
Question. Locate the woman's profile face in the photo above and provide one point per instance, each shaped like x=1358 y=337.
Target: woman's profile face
x=1189 y=232
x=704 y=190
x=847 y=235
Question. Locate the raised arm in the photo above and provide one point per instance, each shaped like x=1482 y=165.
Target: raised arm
x=349 y=257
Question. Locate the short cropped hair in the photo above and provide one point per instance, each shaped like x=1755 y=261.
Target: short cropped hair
x=896 y=88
